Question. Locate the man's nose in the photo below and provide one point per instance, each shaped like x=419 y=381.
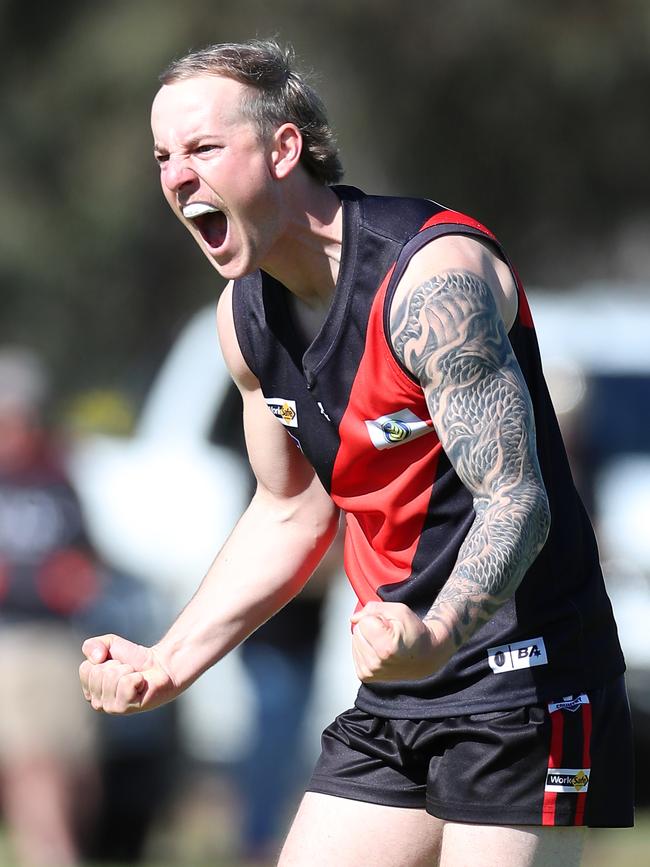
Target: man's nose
x=177 y=172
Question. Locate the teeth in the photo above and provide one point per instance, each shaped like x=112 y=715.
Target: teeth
x=196 y=209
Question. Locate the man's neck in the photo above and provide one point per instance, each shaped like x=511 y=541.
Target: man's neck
x=306 y=259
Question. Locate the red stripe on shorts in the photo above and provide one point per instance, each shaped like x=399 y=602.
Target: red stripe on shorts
x=554 y=761
x=586 y=761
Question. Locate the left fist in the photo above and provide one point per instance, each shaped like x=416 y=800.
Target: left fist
x=390 y=642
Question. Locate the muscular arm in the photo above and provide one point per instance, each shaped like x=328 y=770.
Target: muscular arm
x=271 y=553
x=447 y=328
x=275 y=546
x=449 y=333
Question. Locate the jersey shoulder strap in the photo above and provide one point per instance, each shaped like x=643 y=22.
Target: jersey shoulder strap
x=445 y=222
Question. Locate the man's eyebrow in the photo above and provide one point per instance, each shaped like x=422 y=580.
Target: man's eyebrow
x=190 y=143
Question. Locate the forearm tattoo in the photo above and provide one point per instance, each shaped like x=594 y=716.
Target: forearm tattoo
x=448 y=333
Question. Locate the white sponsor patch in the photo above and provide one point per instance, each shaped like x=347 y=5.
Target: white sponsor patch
x=573 y=780
x=284 y=410
x=570 y=702
x=396 y=428
x=520 y=654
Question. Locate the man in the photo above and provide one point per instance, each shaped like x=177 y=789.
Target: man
x=388 y=367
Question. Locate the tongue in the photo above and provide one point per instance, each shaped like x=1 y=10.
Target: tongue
x=213 y=228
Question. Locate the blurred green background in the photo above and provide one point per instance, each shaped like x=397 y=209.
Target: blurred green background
x=531 y=117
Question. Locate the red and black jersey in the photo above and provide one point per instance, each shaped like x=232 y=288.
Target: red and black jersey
x=362 y=421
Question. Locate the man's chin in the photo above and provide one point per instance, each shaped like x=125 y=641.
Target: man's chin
x=229 y=269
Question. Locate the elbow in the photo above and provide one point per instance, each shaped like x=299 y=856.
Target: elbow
x=532 y=536
x=327 y=525
x=314 y=520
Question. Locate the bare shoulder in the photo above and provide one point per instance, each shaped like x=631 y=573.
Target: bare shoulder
x=460 y=253
x=281 y=470
x=239 y=370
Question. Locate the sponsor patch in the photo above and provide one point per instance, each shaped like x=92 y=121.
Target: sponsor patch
x=571 y=780
x=569 y=702
x=396 y=428
x=284 y=410
x=520 y=654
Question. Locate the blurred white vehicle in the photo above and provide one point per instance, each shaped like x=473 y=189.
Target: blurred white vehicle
x=161 y=503
x=596 y=353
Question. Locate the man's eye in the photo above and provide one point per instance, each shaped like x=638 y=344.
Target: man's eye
x=206 y=148
x=161 y=158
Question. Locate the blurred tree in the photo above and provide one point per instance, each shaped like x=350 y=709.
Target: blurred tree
x=528 y=117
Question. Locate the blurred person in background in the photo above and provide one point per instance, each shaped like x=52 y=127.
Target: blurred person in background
x=280 y=660
x=391 y=342
x=48 y=576
x=136 y=756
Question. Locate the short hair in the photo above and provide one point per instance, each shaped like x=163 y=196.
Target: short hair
x=279 y=94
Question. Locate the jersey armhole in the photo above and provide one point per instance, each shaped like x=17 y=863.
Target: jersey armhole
x=241 y=320
x=416 y=243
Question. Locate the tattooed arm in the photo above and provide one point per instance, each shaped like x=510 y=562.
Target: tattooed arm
x=448 y=330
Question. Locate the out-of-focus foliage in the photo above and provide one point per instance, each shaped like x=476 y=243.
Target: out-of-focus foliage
x=532 y=117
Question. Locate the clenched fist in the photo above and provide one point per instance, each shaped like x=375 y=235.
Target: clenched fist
x=390 y=642
x=120 y=677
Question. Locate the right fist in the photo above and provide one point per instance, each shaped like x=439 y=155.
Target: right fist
x=120 y=677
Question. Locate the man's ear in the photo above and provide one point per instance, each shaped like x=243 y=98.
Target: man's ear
x=286 y=147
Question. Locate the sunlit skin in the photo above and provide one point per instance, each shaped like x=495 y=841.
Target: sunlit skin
x=278 y=218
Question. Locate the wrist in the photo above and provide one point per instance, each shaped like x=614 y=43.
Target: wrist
x=168 y=658
x=441 y=641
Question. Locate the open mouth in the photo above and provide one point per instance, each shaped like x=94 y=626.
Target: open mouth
x=210 y=221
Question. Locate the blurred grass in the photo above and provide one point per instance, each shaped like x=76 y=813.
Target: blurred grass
x=605 y=848
x=624 y=848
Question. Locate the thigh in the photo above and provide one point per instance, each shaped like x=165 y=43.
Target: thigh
x=510 y=846
x=330 y=830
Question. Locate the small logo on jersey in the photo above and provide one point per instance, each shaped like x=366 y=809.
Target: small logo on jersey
x=395 y=431
x=569 y=702
x=284 y=410
x=322 y=410
x=520 y=654
x=572 y=780
x=396 y=428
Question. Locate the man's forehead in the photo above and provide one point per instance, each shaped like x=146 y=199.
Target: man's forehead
x=209 y=97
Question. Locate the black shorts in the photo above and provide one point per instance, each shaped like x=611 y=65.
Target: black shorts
x=568 y=763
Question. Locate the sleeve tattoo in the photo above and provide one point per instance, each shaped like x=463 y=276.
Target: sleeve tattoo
x=449 y=334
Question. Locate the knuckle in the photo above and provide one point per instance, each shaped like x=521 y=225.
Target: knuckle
x=114 y=707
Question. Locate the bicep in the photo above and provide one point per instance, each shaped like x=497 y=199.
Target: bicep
x=449 y=333
x=278 y=464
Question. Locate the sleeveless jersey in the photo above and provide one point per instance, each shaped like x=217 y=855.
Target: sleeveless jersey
x=361 y=420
